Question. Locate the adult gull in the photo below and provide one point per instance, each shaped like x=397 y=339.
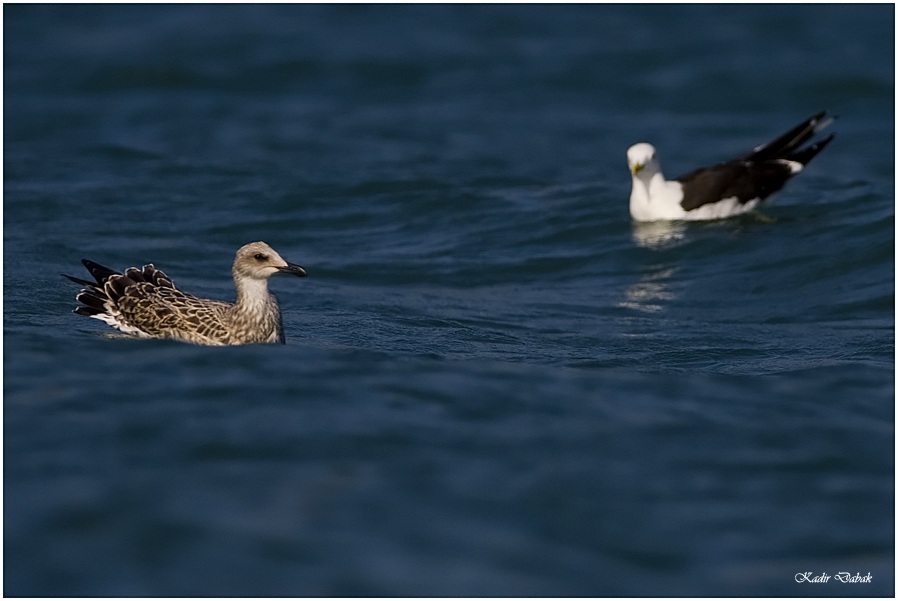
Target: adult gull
x=724 y=190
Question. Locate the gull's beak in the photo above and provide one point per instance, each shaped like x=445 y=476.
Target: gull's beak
x=293 y=269
x=637 y=168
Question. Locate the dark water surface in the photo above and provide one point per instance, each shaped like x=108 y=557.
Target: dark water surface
x=494 y=383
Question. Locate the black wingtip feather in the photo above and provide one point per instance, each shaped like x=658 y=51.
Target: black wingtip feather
x=93 y=301
x=790 y=141
x=805 y=155
x=78 y=281
x=100 y=273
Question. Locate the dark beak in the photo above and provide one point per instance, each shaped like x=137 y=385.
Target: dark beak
x=293 y=270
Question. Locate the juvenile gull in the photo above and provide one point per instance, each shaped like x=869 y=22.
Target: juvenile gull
x=726 y=189
x=144 y=302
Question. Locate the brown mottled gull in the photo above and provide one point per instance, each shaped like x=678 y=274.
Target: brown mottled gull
x=144 y=302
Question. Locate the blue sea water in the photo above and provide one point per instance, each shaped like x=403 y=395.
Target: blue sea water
x=494 y=383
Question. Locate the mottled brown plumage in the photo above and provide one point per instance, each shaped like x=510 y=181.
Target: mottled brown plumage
x=144 y=302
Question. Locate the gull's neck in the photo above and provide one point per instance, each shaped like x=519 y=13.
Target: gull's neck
x=656 y=183
x=253 y=297
x=647 y=183
x=653 y=197
x=255 y=317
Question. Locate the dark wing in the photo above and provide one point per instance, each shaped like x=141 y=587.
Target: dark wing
x=756 y=174
x=783 y=146
x=743 y=180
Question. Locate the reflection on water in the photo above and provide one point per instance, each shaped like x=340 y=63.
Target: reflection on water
x=659 y=234
x=653 y=290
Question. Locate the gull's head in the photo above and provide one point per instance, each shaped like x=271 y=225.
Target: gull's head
x=641 y=160
x=259 y=261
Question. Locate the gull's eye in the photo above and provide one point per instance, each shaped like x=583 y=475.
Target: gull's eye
x=261 y=257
